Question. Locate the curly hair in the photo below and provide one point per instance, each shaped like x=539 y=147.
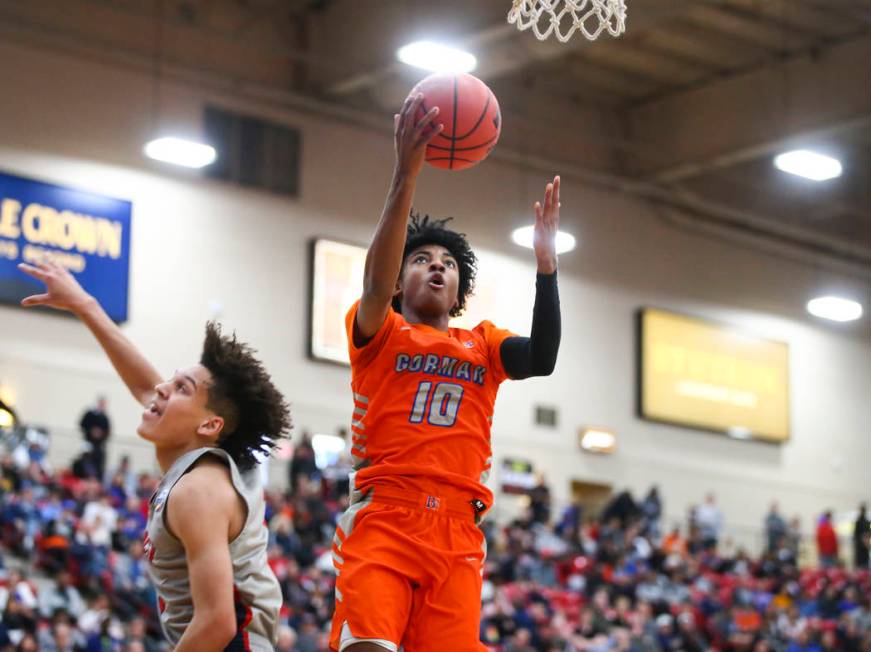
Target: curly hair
x=256 y=415
x=424 y=231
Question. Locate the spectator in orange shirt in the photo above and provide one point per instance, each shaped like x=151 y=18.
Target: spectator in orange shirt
x=673 y=543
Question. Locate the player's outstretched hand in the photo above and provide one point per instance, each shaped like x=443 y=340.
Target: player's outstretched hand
x=411 y=136
x=546 y=227
x=62 y=291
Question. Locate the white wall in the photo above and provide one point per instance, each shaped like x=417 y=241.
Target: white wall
x=196 y=242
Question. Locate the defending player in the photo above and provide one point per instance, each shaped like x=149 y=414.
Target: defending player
x=408 y=551
x=206 y=538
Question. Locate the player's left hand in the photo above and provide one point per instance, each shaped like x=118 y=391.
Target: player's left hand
x=546 y=227
x=62 y=290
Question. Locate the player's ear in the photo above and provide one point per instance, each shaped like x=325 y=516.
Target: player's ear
x=211 y=427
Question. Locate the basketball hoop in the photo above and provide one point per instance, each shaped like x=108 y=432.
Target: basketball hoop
x=565 y=17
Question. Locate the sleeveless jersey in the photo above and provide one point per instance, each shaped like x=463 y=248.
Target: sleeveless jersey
x=256 y=592
x=423 y=405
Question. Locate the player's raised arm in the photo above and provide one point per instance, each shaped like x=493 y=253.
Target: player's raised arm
x=536 y=355
x=63 y=292
x=384 y=259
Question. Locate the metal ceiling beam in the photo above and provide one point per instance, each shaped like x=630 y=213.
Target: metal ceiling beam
x=274 y=50
x=675 y=50
x=746 y=116
x=793 y=14
x=741 y=26
x=502 y=50
x=764 y=228
x=711 y=49
x=837 y=251
x=742 y=155
x=586 y=86
x=789 y=22
x=638 y=79
x=766 y=61
x=661 y=68
x=809 y=208
x=842 y=11
x=365 y=80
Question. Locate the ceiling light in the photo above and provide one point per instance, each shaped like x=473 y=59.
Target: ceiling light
x=835 y=308
x=809 y=165
x=178 y=151
x=598 y=440
x=7 y=419
x=436 y=57
x=523 y=236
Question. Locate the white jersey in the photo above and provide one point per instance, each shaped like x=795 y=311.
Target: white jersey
x=256 y=593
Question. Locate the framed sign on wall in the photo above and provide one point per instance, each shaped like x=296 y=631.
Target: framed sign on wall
x=708 y=376
x=88 y=234
x=336 y=283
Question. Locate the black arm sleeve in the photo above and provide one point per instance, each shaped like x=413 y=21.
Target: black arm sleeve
x=535 y=355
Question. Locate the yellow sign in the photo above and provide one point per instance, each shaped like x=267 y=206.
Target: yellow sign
x=699 y=374
x=337 y=282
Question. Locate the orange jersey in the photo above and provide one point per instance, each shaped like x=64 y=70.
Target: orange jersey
x=423 y=405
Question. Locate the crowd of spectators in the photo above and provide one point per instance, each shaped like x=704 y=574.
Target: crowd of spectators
x=615 y=583
x=73 y=576
x=72 y=571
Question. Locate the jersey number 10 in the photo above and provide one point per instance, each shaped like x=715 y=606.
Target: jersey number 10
x=443 y=401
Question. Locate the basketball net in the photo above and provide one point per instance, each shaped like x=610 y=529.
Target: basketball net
x=565 y=17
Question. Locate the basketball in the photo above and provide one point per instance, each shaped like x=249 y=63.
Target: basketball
x=469 y=111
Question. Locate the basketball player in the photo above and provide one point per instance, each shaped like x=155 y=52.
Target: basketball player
x=205 y=538
x=408 y=551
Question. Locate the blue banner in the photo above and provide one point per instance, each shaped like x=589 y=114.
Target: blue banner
x=86 y=233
